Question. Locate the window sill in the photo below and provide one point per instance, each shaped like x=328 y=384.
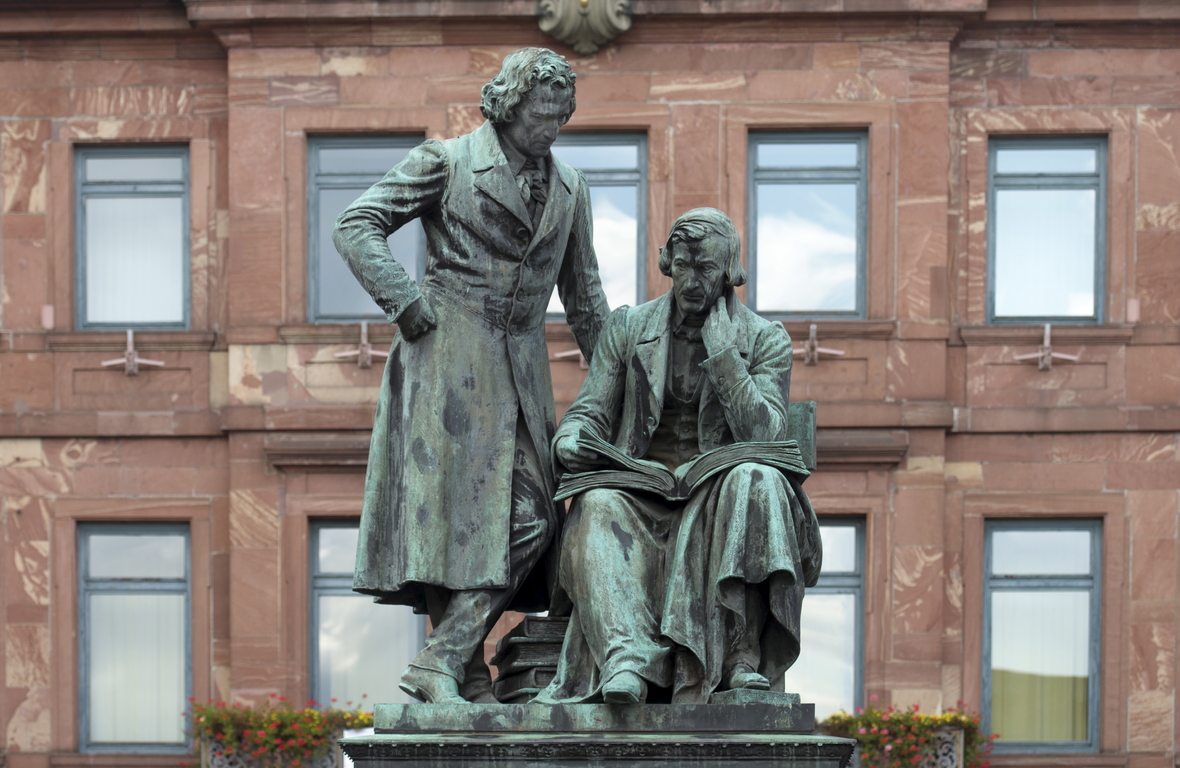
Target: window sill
x=381 y=333
x=117 y=759
x=1055 y=759
x=1033 y=335
x=116 y=341
x=799 y=329
x=832 y=328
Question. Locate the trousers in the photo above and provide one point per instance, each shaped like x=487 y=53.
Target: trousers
x=461 y=619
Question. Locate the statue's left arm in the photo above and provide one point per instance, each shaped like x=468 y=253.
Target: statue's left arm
x=578 y=283
x=754 y=394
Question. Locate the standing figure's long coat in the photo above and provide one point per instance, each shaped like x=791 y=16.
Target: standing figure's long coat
x=438 y=494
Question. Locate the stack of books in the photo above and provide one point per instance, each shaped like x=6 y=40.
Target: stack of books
x=527 y=657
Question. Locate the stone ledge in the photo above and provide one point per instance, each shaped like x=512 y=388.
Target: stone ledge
x=837 y=449
x=381 y=333
x=116 y=341
x=739 y=712
x=1033 y=335
x=879 y=330
x=168 y=760
x=649 y=750
x=321 y=452
x=849 y=449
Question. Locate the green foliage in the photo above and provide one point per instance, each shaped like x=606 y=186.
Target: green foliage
x=275 y=733
x=894 y=738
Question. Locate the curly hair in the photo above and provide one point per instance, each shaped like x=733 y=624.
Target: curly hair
x=521 y=70
x=696 y=225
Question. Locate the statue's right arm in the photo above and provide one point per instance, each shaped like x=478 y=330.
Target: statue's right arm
x=410 y=189
x=597 y=407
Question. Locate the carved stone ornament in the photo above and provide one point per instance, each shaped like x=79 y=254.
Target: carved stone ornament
x=584 y=25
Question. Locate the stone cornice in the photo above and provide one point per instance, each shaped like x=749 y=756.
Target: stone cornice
x=116 y=341
x=1033 y=335
x=837 y=449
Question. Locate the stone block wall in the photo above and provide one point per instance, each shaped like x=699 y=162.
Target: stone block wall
x=928 y=426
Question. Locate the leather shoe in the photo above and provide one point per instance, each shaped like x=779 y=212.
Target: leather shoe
x=477 y=683
x=625 y=688
x=430 y=686
x=741 y=676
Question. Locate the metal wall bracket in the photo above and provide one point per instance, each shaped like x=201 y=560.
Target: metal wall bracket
x=1045 y=355
x=584 y=25
x=811 y=349
x=131 y=359
x=364 y=352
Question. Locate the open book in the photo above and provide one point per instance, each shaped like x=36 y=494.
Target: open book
x=632 y=474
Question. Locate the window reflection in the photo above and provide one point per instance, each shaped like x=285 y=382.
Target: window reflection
x=1045 y=252
x=361 y=648
x=340 y=171
x=614 y=167
x=1045 y=229
x=1040 y=665
x=133 y=605
x=828 y=671
x=1041 y=617
x=1031 y=552
x=132 y=237
x=807 y=245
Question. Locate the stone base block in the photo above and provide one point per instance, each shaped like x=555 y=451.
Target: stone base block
x=762 y=731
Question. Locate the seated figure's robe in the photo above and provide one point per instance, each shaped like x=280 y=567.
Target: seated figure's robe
x=680 y=592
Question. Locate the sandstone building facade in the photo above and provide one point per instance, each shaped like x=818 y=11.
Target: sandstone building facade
x=928 y=182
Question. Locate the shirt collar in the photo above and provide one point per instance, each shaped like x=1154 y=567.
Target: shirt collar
x=684 y=327
x=516 y=160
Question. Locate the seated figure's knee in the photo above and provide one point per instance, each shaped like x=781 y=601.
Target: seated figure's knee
x=597 y=502
x=753 y=472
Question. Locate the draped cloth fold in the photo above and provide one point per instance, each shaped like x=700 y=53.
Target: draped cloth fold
x=673 y=592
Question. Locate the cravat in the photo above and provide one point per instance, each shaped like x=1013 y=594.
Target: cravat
x=532 y=189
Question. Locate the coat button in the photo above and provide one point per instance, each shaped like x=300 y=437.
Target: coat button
x=521 y=233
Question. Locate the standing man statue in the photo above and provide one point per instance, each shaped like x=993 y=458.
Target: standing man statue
x=458 y=511
x=698 y=590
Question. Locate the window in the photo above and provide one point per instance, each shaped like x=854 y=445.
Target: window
x=358 y=648
x=134 y=639
x=615 y=167
x=808 y=203
x=339 y=171
x=1047 y=237
x=132 y=224
x=1041 y=634
x=829 y=670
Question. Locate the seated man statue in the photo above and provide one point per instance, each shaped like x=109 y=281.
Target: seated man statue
x=701 y=594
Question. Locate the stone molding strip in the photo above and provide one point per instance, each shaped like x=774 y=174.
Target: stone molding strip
x=116 y=341
x=1033 y=335
x=837 y=449
x=750 y=748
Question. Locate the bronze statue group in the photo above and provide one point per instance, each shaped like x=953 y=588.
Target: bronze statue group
x=672 y=596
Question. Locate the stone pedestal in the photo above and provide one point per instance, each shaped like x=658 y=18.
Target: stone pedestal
x=748 y=729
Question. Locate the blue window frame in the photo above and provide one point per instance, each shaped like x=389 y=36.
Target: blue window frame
x=131 y=218
x=1046 y=230
x=615 y=166
x=358 y=649
x=807 y=238
x=339 y=170
x=1041 y=634
x=830 y=668
x=134 y=638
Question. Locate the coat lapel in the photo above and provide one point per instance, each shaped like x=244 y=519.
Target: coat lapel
x=557 y=204
x=651 y=356
x=492 y=175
